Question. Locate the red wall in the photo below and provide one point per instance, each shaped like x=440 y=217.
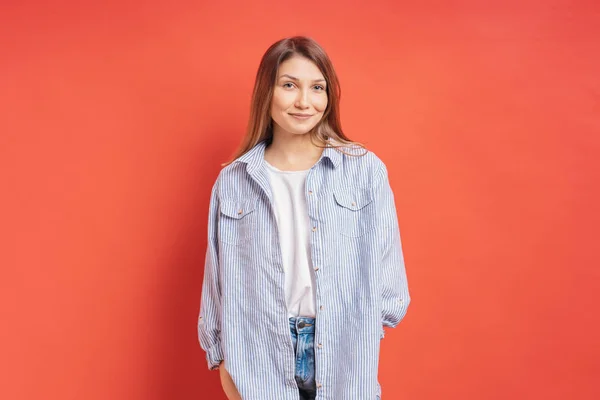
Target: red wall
x=116 y=115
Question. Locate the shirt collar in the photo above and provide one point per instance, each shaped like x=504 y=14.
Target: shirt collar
x=255 y=156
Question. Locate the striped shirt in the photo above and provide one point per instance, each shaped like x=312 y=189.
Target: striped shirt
x=357 y=258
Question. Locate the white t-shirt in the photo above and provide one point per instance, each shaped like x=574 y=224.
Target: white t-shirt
x=289 y=205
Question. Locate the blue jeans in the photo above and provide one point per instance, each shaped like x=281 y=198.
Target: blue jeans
x=303 y=339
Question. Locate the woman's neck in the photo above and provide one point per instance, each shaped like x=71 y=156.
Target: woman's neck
x=290 y=152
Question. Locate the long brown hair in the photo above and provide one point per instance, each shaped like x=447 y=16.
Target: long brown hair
x=260 y=124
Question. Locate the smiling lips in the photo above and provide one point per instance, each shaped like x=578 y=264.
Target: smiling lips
x=301 y=116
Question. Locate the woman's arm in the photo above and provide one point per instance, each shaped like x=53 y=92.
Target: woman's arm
x=394 y=292
x=209 y=320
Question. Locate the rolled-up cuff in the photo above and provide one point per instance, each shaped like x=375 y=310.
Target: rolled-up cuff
x=214 y=356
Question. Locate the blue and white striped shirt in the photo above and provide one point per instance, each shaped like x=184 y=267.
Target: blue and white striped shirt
x=357 y=256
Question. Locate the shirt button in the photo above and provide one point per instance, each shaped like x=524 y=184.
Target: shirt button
x=316 y=269
x=320 y=346
x=353 y=204
x=240 y=211
x=310 y=192
x=319 y=385
x=314 y=229
x=321 y=308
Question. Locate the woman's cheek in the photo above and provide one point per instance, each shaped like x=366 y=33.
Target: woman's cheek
x=285 y=100
x=320 y=104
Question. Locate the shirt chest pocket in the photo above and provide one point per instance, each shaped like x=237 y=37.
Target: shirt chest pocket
x=237 y=220
x=355 y=211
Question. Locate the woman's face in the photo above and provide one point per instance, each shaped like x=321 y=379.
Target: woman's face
x=299 y=96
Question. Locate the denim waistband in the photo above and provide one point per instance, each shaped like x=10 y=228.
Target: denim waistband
x=302 y=324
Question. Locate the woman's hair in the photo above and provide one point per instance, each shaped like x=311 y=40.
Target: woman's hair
x=260 y=124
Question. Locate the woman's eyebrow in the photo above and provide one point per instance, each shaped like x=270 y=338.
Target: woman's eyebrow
x=296 y=79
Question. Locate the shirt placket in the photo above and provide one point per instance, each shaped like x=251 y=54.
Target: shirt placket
x=312 y=201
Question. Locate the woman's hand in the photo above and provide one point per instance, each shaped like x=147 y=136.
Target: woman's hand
x=228 y=386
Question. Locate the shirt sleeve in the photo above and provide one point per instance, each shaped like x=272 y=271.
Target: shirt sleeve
x=394 y=286
x=209 y=320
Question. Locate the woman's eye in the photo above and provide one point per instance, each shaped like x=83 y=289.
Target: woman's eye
x=288 y=85
x=319 y=87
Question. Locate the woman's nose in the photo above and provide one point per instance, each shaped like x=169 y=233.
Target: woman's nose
x=302 y=99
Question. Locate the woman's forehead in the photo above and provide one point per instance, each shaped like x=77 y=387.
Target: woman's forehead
x=299 y=68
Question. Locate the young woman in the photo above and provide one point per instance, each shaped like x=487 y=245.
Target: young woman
x=304 y=264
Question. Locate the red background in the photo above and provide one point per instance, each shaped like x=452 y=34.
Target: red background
x=116 y=115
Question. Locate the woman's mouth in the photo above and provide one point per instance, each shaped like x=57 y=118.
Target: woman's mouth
x=301 y=116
